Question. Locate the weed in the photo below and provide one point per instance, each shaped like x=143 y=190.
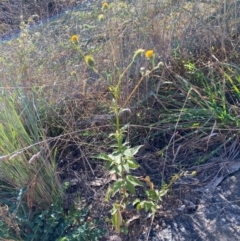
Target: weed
x=51 y=224
x=121 y=161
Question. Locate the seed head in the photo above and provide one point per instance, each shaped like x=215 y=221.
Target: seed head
x=100 y=17
x=138 y=53
x=73 y=73
x=89 y=61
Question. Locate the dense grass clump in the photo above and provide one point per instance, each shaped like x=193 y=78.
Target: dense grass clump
x=151 y=87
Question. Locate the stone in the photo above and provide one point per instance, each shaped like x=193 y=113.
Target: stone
x=217 y=217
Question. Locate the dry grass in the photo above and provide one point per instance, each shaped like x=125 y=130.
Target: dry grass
x=187 y=110
x=43 y=58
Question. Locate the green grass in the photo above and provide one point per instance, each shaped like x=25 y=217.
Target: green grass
x=184 y=102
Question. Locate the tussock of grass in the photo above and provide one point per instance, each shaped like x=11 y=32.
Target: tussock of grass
x=26 y=161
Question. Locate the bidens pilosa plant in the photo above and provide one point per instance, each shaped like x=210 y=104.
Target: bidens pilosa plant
x=121 y=161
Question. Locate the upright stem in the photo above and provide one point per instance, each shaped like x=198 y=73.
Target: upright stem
x=119 y=132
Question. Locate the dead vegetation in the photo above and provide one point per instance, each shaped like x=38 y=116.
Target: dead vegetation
x=185 y=114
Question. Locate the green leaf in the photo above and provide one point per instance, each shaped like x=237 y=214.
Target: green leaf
x=152 y=194
x=116 y=152
x=116 y=158
x=116 y=187
x=132 y=151
x=162 y=193
x=133 y=180
x=130 y=187
x=108 y=194
x=103 y=156
x=125 y=127
x=108 y=165
x=115 y=208
x=124 y=147
x=126 y=144
x=148 y=205
x=126 y=167
x=111 y=88
x=118 y=170
x=114 y=146
x=132 y=163
x=117 y=220
x=154 y=208
x=136 y=201
x=139 y=207
x=112 y=134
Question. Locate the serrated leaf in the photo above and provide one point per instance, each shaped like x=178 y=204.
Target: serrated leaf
x=108 y=165
x=126 y=167
x=118 y=170
x=116 y=187
x=116 y=158
x=116 y=152
x=103 y=156
x=133 y=180
x=132 y=163
x=130 y=187
x=132 y=151
x=126 y=144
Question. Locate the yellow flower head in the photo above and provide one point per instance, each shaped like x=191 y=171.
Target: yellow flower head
x=149 y=54
x=100 y=17
x=74 y=39
x=105 y=5
x=89 y=61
